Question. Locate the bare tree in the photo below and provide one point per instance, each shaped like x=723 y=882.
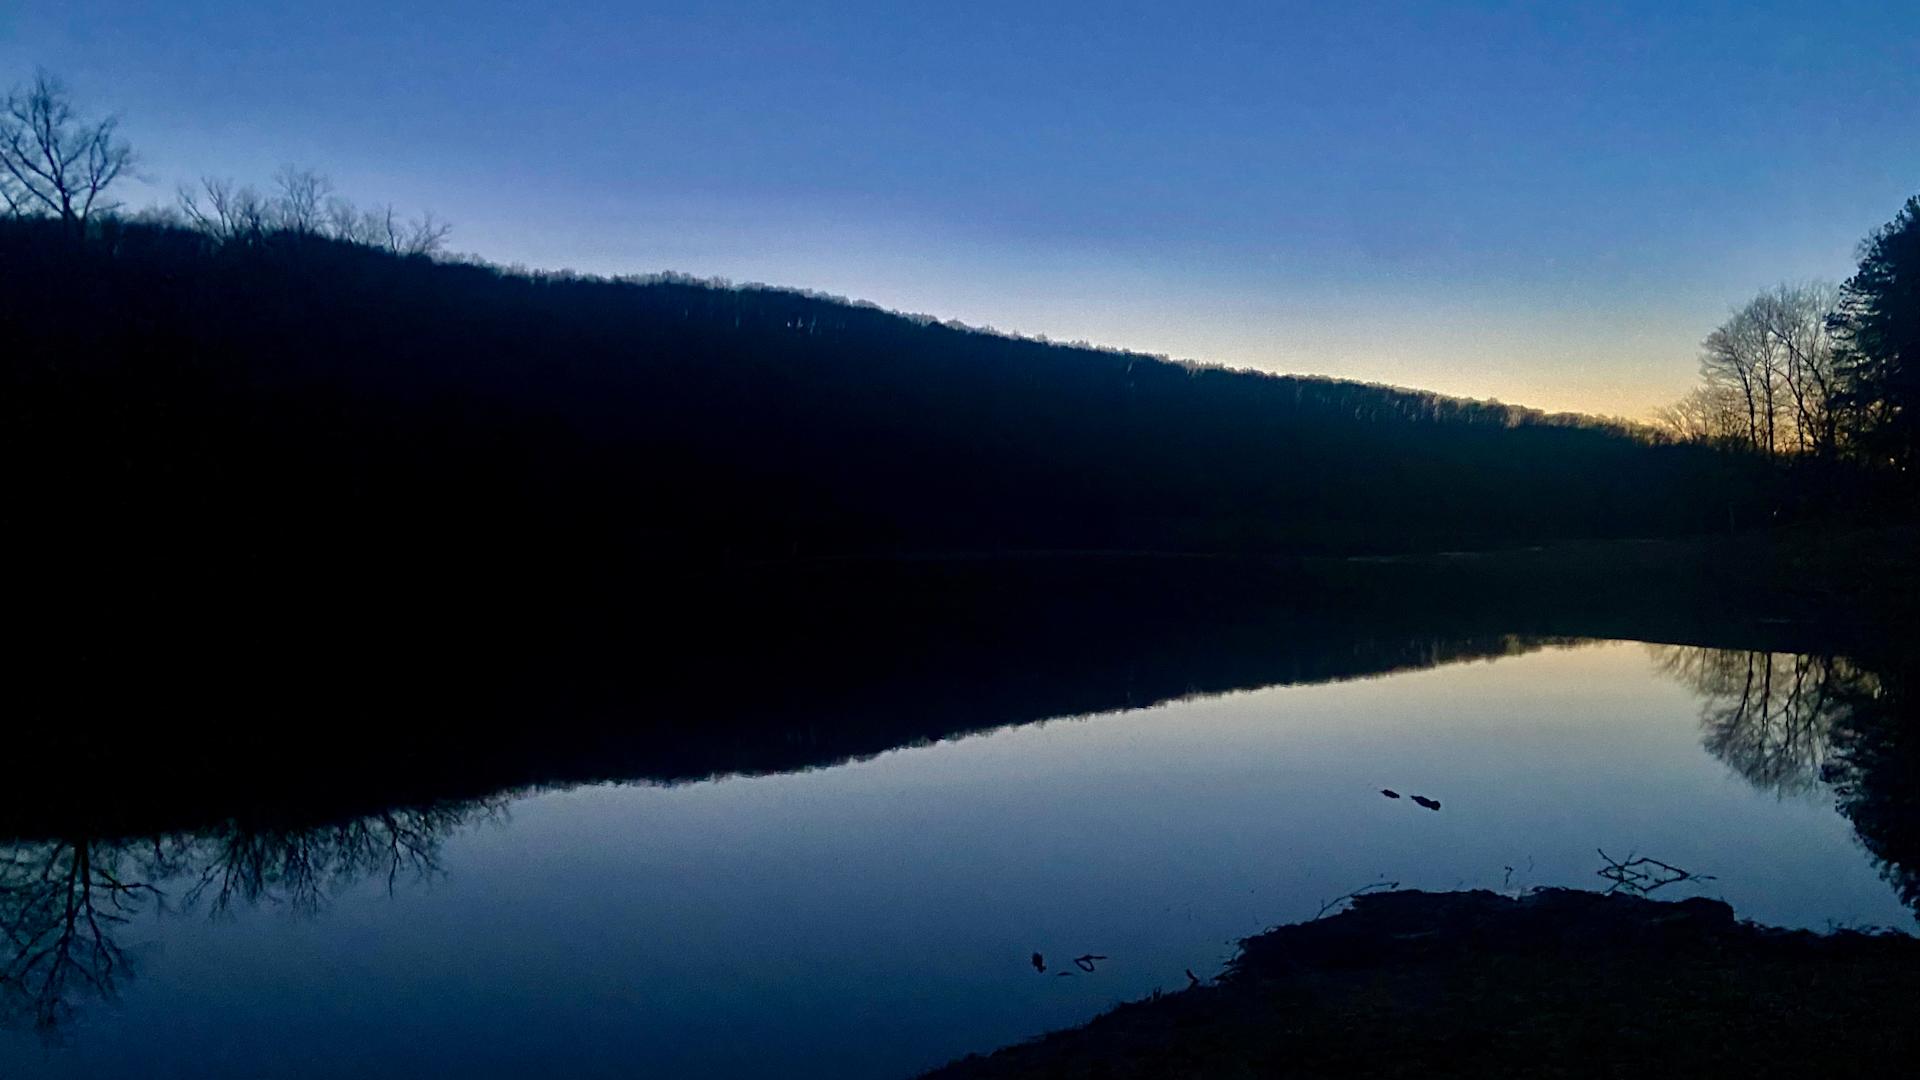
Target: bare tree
x=1746 y=359
x=1712 y=413
x=1769 y=377
x=1725 y=362
x=224 y=210
x=304 y=204
x=424 y=235
x=348 y=222
x=55 y=161
x=1795 y=318
x=383 y=227
x=301 y=203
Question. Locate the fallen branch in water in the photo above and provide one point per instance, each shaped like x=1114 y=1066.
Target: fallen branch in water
x=1639 y=874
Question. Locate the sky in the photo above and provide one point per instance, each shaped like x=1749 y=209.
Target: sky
x=1548 y=204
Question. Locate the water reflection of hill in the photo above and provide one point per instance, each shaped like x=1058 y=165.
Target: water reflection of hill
x=200 y=776
x=738 y=681
x=294 y=719
x=211 y=770
x=1792 y=723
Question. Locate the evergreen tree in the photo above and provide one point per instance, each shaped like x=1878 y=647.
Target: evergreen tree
x=1878 y=324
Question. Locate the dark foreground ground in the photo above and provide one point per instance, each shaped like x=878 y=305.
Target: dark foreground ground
x=1556 y=983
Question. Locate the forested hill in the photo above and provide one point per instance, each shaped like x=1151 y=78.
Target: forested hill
x=174 y=401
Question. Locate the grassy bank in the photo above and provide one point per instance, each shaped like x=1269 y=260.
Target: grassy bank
x=1555 y=983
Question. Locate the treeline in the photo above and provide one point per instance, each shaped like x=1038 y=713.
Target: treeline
x=1820 y=371
x=302 y=203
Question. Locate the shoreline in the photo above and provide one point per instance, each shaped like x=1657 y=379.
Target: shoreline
x=1556 y=982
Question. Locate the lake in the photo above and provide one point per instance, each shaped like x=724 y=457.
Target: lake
x=879 y=915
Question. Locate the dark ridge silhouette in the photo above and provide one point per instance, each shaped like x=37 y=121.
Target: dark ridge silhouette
x=314 y=421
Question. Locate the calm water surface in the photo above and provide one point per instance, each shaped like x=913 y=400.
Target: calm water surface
x=877 y=917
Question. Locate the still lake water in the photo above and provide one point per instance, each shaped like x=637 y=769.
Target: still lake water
x=875 y=918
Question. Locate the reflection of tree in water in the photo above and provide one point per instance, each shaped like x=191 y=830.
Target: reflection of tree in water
x=1875 y=775
x=304 y=867
x=62 y=900
x=59 y=903
x=1790 y=722
x=1768 y=715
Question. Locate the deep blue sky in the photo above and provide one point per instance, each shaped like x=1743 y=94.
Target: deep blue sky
x=1548 y=204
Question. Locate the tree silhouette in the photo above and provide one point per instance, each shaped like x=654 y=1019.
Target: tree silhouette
x=1795 y=318
x=1770 y=378
x=1878 y=327
x=1821 y=371
x=303 y=205
x=56 y=162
